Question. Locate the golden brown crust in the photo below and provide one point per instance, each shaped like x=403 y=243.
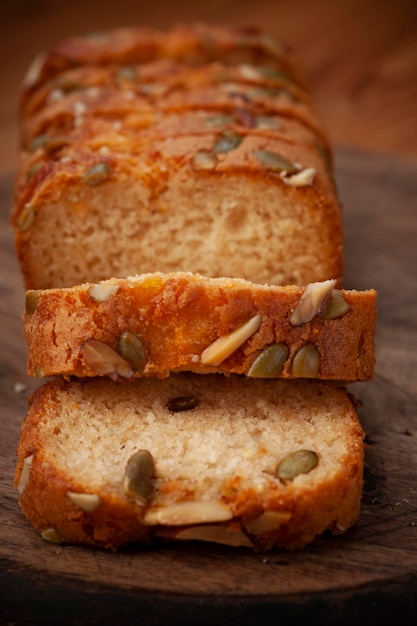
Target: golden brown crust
x=326 y=499
x=85 y=107
x=193 y=44
x=177 y=316
x=301 y=226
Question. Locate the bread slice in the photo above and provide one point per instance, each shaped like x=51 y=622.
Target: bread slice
x=155 y=324
x=211 y=458
x=118 y=176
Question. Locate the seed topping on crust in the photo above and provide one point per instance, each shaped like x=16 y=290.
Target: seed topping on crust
x=223 y=347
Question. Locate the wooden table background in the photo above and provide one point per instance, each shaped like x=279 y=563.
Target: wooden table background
x=359 y=55
x=361 y=59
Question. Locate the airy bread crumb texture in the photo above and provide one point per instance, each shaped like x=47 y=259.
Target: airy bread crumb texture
x=146 y=151
x=223 y=454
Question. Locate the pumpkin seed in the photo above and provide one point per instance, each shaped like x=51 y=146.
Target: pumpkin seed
x=264 y=92
x=66 y=84
x=34 y=169
x=31 y=301
x=276 y=162
x=274 y=73
x=296 y=463
x=182 y=403
x=137 y=481
x=272 y=45
x=227 y=142
x=336 y=306
x=306 y=362
x=264 y=121
x=128 y=73
x=132 y=349
x=219 y=120
x=269 y=363
x=204 y=160
x=26 y=217
x=97 y=174
x=38 y=142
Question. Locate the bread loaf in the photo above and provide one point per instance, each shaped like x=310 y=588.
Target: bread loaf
x=211 y=458
x=155 y=324
x=190 y=150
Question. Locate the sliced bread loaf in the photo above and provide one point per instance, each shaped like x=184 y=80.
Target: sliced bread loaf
x=243 y=462
x=213 y=154
x=155 y=324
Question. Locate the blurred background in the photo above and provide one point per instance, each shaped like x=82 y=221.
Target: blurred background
x=360 y=56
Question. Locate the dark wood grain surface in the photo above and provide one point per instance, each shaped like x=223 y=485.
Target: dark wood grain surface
x=367 y=576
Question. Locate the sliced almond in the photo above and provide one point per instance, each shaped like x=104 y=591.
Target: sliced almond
x=223 y=347
x=312 y=301
x=187 y=513
x=302 y=179
x=215 y=533
x=104 y=360
x=100 y=292
x=24 y=476
x=87 y=501
x=267 y=522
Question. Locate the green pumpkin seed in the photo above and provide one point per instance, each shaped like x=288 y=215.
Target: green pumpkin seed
x=66 y=84
x=306 y=362
x=296 y=463
x=227 y=142
x=31 y=301
x=138 y=476
x=336 y=306
x=263 y=121
x=38 y=142
x=273 y=73
x=272 y=45
x=269 y=363
x=34 y=169
x=182 y=403
x=97 y=174
x=127 y=73
x=275 y=162
x=39 y=372
x=26 y=217
x=133 y=351
x=219 y=120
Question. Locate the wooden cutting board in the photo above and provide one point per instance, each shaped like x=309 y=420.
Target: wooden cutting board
x=367 y=576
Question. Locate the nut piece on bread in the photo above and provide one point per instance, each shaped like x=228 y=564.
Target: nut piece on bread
x=155 y=324
x=254 y=463
x=199 y=149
